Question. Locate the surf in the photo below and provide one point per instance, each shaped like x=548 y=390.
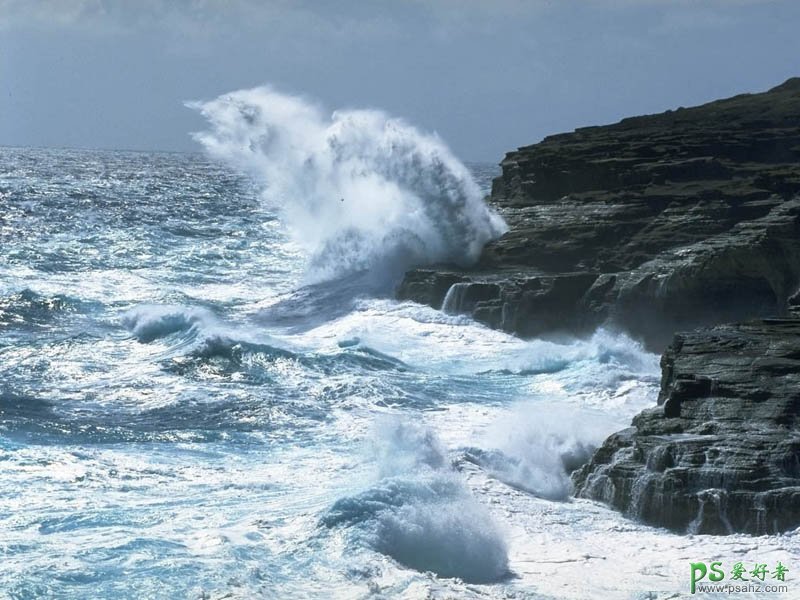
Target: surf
x=359 y=190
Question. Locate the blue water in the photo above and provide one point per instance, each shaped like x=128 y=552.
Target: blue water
x=177 y=420
x=208 y=391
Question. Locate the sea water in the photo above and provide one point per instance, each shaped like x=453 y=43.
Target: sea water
x=207 y=389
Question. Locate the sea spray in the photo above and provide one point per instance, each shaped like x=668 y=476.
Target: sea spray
x=602 y=382
x=420 y=511
x=536 y=446
x=358 y=189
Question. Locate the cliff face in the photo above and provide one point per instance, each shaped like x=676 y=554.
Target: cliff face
x=721 y=451
x=654 y=224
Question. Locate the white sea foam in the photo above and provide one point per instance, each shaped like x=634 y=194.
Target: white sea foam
x=427 y=338
x=421 y=513
x=358 y=189
x=538 y=444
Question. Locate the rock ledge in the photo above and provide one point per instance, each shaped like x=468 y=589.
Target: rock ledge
x=654 y=225
x=721 y=451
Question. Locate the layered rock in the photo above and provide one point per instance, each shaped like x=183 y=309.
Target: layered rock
x=654 y=224
x=721 y=451
x=657 y=224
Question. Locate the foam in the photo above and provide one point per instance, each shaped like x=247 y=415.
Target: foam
x=150 y=322
x=536 y=446
x=421 y=513
x=358 y=189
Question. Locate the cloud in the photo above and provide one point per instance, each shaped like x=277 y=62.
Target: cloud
x=198 y=17
x=204 y=20
x=99 y=15
x=57 y=13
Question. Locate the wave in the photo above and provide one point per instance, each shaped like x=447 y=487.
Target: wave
x=614 y=351
x=359 y=190
x=15 y=405
x=537 y=445
x=151 y=322
x=199 y=345
x=420 y=512
x=33 y=420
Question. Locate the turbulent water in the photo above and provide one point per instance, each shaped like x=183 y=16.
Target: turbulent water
x=207 y=390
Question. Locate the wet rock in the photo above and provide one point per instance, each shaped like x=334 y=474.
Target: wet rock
x=663 y=223
x=655 y=224
x=721 y=451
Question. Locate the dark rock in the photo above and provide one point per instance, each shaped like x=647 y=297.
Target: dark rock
x=428 y=287
x=721 y=451
x=515 y=302
x=655 y=224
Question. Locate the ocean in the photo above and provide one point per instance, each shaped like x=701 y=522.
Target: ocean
x=207 y=389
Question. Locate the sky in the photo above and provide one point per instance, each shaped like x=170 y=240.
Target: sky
x=487 y=75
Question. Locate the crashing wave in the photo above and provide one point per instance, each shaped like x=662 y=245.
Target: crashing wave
x=421 y=513
x=359 y=190
x=151 y=322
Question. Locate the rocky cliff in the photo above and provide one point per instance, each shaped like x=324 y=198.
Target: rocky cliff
x=721 y=451
x=655 y=224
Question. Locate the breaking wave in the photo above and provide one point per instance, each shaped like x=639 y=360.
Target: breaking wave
x=421 y=513
x=358 y=189
x=539 y=444
x=151 y=322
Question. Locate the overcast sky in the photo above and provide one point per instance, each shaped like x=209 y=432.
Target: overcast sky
x=488 y=76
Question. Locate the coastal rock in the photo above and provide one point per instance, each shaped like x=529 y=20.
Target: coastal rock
x=721 y=451
x=655 y=224
x=663 y=223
